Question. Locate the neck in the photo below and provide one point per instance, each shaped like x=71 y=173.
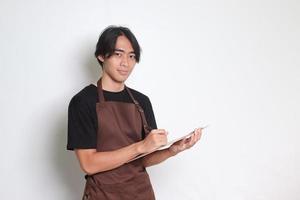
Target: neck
x=111 y=85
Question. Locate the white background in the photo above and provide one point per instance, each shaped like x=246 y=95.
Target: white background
x=232 y=64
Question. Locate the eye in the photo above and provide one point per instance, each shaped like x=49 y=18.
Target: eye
x=117 y=54
x=132 y=56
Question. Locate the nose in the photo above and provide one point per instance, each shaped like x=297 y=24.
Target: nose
x=124 y=61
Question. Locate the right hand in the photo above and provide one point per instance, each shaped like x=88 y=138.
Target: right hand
x=155 y=139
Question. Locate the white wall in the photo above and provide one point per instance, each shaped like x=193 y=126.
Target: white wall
x=232 y=64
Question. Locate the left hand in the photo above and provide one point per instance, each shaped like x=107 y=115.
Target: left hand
x=186 y=143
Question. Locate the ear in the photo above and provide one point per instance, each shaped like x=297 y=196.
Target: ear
x=101 y=58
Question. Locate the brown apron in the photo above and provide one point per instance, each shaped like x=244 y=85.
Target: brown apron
x=119 y=124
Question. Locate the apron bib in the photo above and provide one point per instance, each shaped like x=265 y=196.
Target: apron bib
x=119 y=124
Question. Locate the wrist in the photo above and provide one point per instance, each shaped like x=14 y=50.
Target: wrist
x=140 y=147
x=171 y=152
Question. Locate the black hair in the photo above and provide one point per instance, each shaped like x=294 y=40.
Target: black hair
x=107 y=42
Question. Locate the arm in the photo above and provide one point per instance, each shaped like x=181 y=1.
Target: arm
x=157 y=157
x=160 y=156
x=93 y=162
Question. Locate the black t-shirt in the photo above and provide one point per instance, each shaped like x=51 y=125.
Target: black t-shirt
x=82 y=116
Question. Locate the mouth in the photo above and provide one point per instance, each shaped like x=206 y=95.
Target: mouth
x=123 y=72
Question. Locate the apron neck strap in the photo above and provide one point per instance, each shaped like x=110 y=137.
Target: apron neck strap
x=100 y=91
x=146 y=127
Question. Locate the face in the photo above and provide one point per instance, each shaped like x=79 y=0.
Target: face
x=121 y=63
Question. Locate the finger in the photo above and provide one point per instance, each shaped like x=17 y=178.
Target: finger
x=195 y=131
x=159 y=131
x=192 y=139
x=199 y=133
x=165 y=139
x=162 y=137
x=200 y=130
x=187 y=140
x=162 y=130
x=183 y=141
x=199 y=136
x=182 y=147
x=163 y=133
x=195 y=139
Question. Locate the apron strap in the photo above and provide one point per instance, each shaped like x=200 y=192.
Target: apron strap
x=146 y=127
x=100 y=91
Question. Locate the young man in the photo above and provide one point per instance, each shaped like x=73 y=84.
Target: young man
x=109 y=124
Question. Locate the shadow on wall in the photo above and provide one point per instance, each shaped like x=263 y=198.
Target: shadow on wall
x=65 y=162
x=66 y=165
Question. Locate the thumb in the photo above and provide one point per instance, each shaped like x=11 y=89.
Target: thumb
x=163 y=133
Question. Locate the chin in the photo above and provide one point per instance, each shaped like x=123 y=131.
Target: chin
x=120 y=79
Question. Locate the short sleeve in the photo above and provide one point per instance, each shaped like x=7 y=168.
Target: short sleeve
x=149 y=114
x=82 y=133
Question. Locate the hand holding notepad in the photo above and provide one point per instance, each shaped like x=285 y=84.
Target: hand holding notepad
x=168 y=144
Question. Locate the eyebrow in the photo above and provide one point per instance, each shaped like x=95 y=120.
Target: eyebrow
x=121 y=50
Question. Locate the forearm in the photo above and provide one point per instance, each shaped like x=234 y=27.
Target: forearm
x=156 y=157
x=94 y=162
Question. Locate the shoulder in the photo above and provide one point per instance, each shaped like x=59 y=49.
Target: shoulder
x=140 y=97
x=145 y=102
x=86 y=96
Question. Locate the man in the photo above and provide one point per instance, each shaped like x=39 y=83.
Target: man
x=109 y=124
